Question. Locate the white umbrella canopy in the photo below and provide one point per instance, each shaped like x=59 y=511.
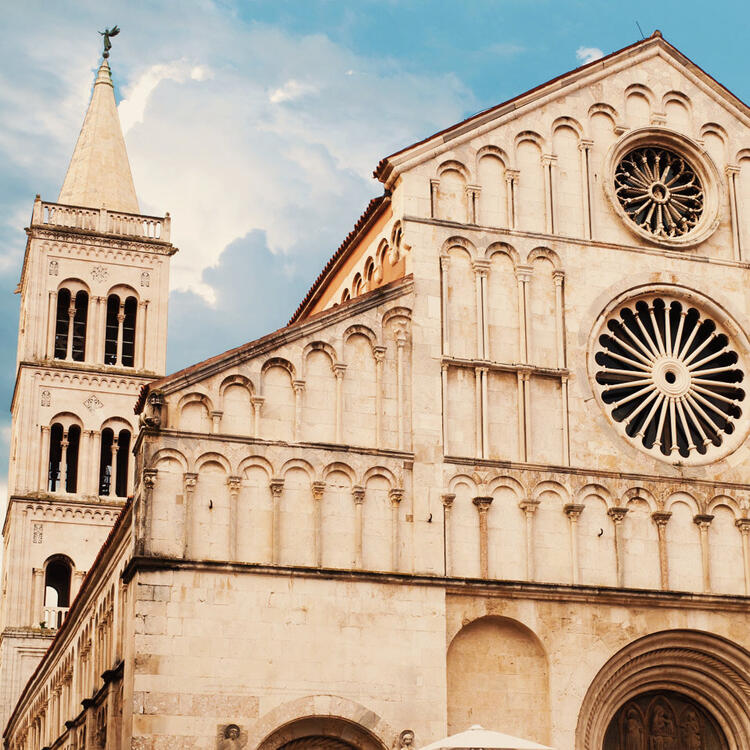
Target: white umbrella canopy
x=478 y=738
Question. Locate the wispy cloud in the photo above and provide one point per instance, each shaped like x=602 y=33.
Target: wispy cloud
x=291 y=90
x=588 y=54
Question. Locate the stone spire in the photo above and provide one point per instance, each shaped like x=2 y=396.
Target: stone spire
x=99 y=172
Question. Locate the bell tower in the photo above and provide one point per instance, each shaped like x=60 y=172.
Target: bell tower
x=93 y=326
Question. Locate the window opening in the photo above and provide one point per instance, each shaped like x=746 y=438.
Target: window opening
x=79 y=326
x=111 y=330
x=128 y=332
x=56 y=592
x=62 y=323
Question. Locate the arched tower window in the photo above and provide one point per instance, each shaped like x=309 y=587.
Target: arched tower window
x=119 y=337
x=70 y=325
x=57 y=578
x=63 y=458
x=113 y=463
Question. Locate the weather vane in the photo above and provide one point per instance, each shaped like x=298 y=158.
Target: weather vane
x=107 y=34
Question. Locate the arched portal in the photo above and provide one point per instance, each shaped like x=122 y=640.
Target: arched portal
x=663 y=720
x=321 y=733
x=670 y=682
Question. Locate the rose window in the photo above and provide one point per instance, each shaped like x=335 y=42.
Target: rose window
x=660 y=191
x=670 y=377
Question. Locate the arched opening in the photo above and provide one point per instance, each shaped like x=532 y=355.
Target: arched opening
x=320 y=733
x=70 y=325
x=663 y=720
x=119 y=334
x=63 y=458
x=113 y=463
x=671 y=690
x=57 y=578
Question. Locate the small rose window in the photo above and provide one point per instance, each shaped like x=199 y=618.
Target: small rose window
x=659 y=191
x=670 y=378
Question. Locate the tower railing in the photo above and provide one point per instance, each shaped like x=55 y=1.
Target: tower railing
x=101 y=220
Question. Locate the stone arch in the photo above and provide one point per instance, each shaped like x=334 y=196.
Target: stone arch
x=298 y=463
x=451 y=191
x=235 y=379
x=380 y=471
x=279 y=362
x=212 y=457
x=194 y=410
x=74 y=285
x=498 y=656
x=678 y=109
x=336 y=717
x=461 y=242
x=640 y=493
x=607 y=110
x=455 y=165
x=496 y=151
x=545 y=252
x=710 y=670
x=491 y=170
x=169 y=454
x=505 y=249
x=639 y=104
x=395 y=312
x=567 y=122
x=316 y=346
x=596 y=544
x=343 y=468
x=251 y=461
x=361 y=330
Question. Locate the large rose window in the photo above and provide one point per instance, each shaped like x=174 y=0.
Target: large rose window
x=659 y=191
x=670 y=378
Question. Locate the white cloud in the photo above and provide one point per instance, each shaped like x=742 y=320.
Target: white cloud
x=589 y=54
x=291 y=90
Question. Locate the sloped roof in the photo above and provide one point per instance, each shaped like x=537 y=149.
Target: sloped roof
x=99 y=173
x=386 y=165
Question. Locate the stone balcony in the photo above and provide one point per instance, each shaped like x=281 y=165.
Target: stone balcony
x=101 y=220
x=53 y=617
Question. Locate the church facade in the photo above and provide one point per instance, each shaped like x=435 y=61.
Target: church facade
x=494 y=471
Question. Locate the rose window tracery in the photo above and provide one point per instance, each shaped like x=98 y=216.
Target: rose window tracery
x=660 y=191
x=670 y=378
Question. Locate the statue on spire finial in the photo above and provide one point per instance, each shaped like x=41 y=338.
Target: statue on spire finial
x=107 y=34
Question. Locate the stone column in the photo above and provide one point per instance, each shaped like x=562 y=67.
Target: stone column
x=379 y=355
x=44 y=460
x=145 y=533
x=338 y=372
x=144 y=337
x=483 y=505
x=396 y=495
x=618 y=516
x=216 y=421
x=523 y=276
x=483 y=407
x=434 y=190
x=444 y=393
x=565 y=425
x=400 y=344
x=37 y=597
x=448 y=499
x=526 y=412
x=71 y=318
x=86 y=457
x=661 y=518
x=318 y=491
x=521 y=409
x=472 y=202
x=75 y=584
x=478 y=411
x=481 y=268
x=511 y=180
x=559 y=278
x=96 y=451
x=743 y=524
x=120 y=322
x=190 y=479
x=573 y=512
x=92 y=316
x=585 y=146
x=64 y=463
x=299 y=390
x=703 y=521
x=235 y=485
x=257 y=402
x=550 y=184
x=732 y=171
x=48 y=348
x=113 y=470
x=277 y=488
x=358 y=495
x=444 y=265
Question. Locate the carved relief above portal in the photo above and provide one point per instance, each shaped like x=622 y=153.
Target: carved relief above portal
x=663 y=721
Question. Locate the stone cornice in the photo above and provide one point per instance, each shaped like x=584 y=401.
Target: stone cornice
x=556 y=241
x=564 y=593
x=113 y=241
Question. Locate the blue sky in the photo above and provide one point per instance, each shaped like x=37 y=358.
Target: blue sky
x=257 y=124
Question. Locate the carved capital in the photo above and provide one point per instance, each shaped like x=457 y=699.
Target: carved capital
x=658 y=118
x=358 y=494
x=434 y=183
x=617 y=514
x=703 y=521
x=318 y=488
x=573 y=510
x=257 y=401
x=396 y=495
x=276 y=486
x=585 y=144
x=731 y=169
x=445 y=261
x=529 y=506
x=216 y=414
x=481 y=266
x=379 y=354
x=661 y=517
x=482 y=503
x=234 y=484
x=473 y=190
x=299 y=386
x=549 y=159
x=743 y=524
x=400 y=333
x=189 y=479
x=523 y=273
x=511 y=175
x=448 y=498
x=558 y=277
x=339 y=370
x=149 y=478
